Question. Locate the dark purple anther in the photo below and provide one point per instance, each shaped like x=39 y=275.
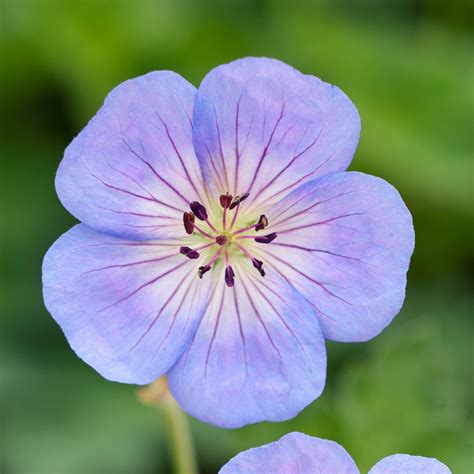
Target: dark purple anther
x=258 y=264
x=266 y=239
x=190 y=253
x=229 y=276
x=238 y=199
x=221 y=239
x=225 y=200
x=199 y=210
x=188 y=221
x=202 y=270
x=262 y=223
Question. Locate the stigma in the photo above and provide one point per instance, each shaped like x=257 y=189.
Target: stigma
x=225 y=235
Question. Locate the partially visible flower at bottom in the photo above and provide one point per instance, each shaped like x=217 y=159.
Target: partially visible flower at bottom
x=297 y=453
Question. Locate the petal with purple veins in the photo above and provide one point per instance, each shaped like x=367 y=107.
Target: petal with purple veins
x=294 y=453
x=258 y=354
x=262 y=127
x=407 y=464
x=345 y=242
x=127 y=308
x=132 y=170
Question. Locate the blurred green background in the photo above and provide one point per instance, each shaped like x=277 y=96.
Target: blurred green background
x=408 y=67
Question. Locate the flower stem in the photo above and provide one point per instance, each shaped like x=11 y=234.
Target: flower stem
x=181 y=444
x=182 y=448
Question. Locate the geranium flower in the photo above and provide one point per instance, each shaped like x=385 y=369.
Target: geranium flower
x=297 y=453
x=222 y=241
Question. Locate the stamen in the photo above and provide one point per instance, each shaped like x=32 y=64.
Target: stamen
x=266 y=239
x=193 y=253
x=199 y=210
x=238 y=199
x=229 y=272
x=202 y=270
x=229 y=276
x=262 y=223
x=258 y=264
x=225 y=200
x=236 y=203
x=206 y=268
x=189 y=252
x=202 y=232
x=188 y=221
x=236 y=213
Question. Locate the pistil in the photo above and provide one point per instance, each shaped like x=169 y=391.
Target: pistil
x=224 y=238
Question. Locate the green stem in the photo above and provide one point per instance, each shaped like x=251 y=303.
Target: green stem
x=181 y=442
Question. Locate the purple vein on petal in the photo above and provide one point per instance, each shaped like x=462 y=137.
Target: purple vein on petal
x=138 y=196
x=188 y=350
x=318 y=311
x=131 y=178
x=141 y=287
x=178 y=308
x=327 y=221
x=280 y=317
x=316 y=282
x=178 y=154
x=221 y=305
x=261 y=282
x=153 y=170
x=286 y=189
x=237 y=152
x=130 y=264
x=160 y=312
x=311 y=250
x=129 y=244
x=241 y=330
x=318 y=203
x=213 y=163
x=130 y=213
x=252 y=303
x=265 y=150
x=293 y=160
x=220 y=149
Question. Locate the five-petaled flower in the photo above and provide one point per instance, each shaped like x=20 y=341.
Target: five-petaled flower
x=297 y=453
x=222 y=239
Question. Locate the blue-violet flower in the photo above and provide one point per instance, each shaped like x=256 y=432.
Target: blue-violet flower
x=297 y=453
x=222 y=240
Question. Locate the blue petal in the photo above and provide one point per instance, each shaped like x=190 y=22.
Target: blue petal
x=132 y=171
x=295 y=453
x=257 y=355
x=406 y=464
x=262 y=127
x=127 y=308
x=345 y=242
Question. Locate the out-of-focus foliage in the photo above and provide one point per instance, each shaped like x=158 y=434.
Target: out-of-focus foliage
x=408 y=67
